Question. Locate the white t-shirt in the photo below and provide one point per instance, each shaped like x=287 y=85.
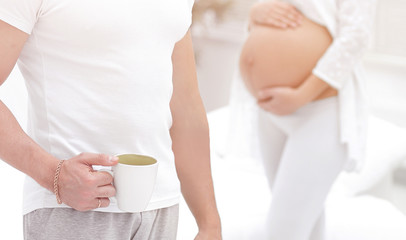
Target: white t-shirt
x=99 y=79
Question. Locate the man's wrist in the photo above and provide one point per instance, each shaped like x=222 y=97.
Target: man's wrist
x=44 y=169
x=48 y=175
x=212 y=225
x=211 y=233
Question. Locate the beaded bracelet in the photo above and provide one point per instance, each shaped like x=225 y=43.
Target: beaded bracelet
x=56 y=178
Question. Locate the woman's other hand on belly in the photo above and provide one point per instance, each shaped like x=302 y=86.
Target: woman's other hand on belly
x=281 y=100
x=285 y=100
x=275 y=14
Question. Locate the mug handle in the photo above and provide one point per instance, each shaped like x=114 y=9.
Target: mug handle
x=109 y=169
x=100 y=168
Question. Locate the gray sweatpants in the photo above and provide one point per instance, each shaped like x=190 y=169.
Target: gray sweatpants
x=69 y=224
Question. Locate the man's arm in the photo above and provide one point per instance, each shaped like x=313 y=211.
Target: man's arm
x=190 y=137
x=79 y=187
x=16 y=148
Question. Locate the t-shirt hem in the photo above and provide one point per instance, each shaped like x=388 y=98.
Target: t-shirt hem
x=112 y=208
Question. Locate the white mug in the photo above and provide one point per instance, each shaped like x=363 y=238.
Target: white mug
x=134 y=180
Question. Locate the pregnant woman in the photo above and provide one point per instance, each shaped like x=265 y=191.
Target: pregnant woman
x=301 y=62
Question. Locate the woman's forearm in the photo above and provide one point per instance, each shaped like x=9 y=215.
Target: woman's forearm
x=312 y=88
x=21 y=152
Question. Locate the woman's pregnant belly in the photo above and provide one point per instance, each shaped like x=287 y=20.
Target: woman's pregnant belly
x=274 y=57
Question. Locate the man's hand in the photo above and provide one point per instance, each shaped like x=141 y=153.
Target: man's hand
x=275 y=14
x=81 y=187
x=209 y=235
x=281 y=100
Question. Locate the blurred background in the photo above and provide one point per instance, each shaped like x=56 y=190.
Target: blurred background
x=371 y=205
x=373 y=200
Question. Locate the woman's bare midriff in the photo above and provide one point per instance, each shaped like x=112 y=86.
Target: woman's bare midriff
x=274 y=57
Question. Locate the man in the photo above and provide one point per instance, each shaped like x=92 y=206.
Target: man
x=105 y=77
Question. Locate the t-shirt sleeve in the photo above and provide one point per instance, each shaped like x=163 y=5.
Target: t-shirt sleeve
x=22 y=14
x=191 y=3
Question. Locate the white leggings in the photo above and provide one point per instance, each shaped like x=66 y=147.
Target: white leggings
x=303 y=156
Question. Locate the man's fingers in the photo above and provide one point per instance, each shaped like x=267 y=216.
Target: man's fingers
x=100 y=203
x=102 y=178
x=80 y=185
x=98 y=159
x=106 y=191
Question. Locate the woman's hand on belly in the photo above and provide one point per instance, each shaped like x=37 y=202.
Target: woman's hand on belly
x=285 y=100
x=281 y=100
x=275 y=14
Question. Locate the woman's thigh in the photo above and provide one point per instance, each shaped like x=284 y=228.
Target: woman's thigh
x=272 y=141
x=312 y=159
